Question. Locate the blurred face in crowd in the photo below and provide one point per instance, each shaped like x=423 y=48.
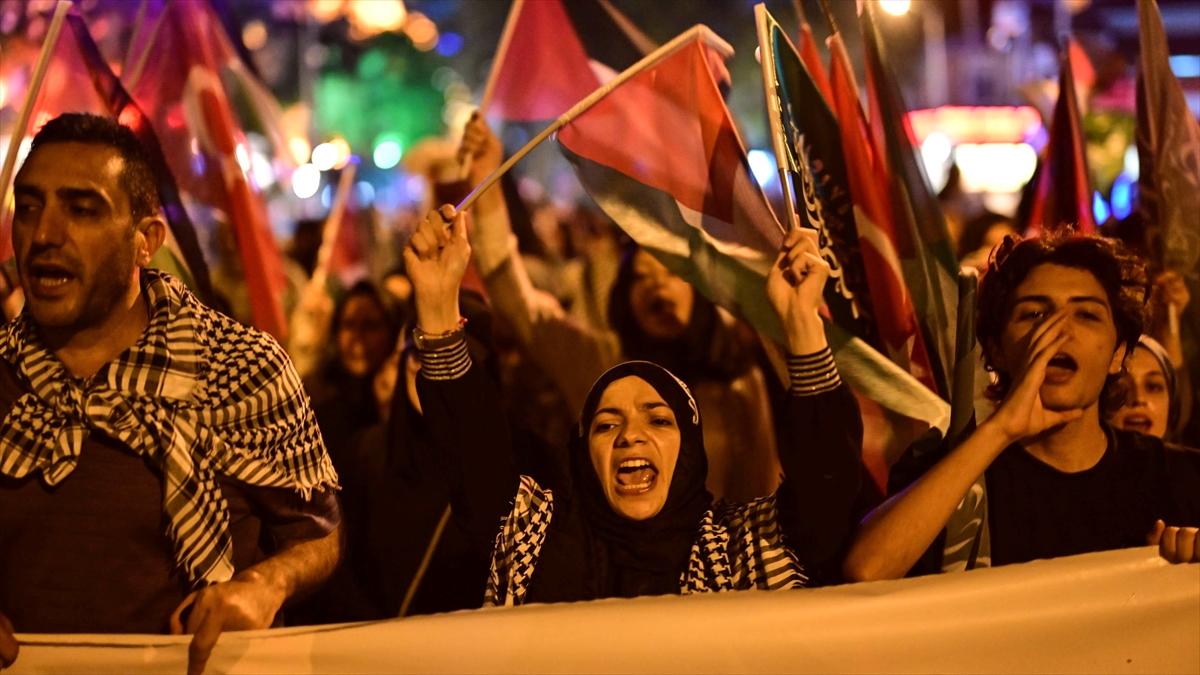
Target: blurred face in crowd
x=1076 y=374
x=549 y=229
x=75 y=240
x=634 y=445
x=1149 y=399
x=661 y=301
x=362 y=337
x=398 y=286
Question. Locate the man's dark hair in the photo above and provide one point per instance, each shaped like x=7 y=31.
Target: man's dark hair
x=137 y=178
x=1122 y=274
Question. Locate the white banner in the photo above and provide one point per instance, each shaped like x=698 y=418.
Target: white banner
x=1121 y=611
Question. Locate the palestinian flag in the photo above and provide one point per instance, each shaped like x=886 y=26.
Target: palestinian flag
x=660 y=154
x=554 y=53
x=1062 y=195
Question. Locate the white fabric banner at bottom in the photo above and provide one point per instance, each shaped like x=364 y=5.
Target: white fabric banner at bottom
x=1115 y=612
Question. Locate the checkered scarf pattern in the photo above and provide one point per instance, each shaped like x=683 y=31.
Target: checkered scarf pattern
x=199 y=395
x=738 y=547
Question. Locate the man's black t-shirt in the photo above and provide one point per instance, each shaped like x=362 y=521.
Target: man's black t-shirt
x=1036 y=511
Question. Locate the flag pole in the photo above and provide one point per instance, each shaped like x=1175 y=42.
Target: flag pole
x=333 y=225
x=135 y=73
x=801 y=15
x=828 y=11
x=506 y=35
x=697 y=31
x=464 y=164
x=139 y=20
x=426 y=558
x=766 y=58
x=35 y=86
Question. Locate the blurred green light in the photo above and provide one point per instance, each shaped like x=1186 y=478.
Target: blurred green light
x=387 y=153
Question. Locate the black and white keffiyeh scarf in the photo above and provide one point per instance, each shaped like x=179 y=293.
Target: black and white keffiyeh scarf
x=737 y=547
x=199 y=395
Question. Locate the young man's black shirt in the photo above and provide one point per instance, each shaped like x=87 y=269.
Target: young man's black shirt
x=1036 y=511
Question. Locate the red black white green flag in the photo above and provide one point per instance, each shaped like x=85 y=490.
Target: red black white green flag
x=1062 y=196
x=660 y=154
x=552 y=54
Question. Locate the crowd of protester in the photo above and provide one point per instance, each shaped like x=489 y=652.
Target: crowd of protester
x=570 y=422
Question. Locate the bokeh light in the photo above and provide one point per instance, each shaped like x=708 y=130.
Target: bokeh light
x=325 y=11
x=300 y=148
x=450 y=44
x=342 y=152
x=243 y=157
x=1100 y=208
x=422 y=31
x=364 y=192
x=261 y=171
x=377 y=16
x=254 y=35
x=324 y=156
x=995 y=167
x=895 y=7
x=762 y=165
x=387 y=153
x=305 y=181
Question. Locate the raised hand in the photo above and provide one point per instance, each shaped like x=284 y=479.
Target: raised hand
x=1170 y=289
x=795 y=288
x=1175 y=544
x=8 y=643
x=1022 y=413
x=481 y=146
x=436 y=258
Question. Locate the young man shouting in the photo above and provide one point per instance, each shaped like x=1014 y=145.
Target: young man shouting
x=1057 y=316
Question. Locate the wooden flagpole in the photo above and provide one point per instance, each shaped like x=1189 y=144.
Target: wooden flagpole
x=506 y=36
x=801 y=15
x=139 y=21
x=465 y=161
x=35 y=86
x=135 y=73
x=698 y=31
x=415 y=584
x=333 y=225
x=766 y=58
x=828 y=10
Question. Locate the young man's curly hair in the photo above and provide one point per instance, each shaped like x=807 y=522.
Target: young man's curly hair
x=1121 y=273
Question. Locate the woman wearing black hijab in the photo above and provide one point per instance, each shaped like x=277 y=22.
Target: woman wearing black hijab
x=635 y=518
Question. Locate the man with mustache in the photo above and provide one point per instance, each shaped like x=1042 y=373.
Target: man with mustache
x=1057 y=317
x=149 y=445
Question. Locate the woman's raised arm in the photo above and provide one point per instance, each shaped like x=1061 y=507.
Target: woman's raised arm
x=820 y=443
x=459 y=402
